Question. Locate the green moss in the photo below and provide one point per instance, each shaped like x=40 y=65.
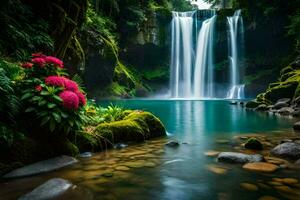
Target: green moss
x=136 y=126
x=286 y=70
x=284 y=90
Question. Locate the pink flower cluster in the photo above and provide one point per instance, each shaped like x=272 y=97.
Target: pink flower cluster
x=41 y=60
x=72 y=97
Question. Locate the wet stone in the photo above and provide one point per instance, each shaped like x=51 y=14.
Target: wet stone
x=249 y=186
x=107 y=175
x=233 y=157
x=285 y=189
x=268 y=198
x=260 y=167
x=217 y=169
x=212 y=153
x=51 y=189
x=42 y=167
x=172 y=144
x=122 y=168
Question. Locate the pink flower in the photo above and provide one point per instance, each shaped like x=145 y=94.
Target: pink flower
x=82 y=98
x=71 y=85
x=55 y=81
x=38 y=88
x=38 y=55
x=39 y=61
x=27 y=65
x=52 y=60
x=70 y=100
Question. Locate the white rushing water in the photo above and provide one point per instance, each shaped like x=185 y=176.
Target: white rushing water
x=235 y=38
x=192 y=67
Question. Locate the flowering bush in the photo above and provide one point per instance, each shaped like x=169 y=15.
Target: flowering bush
x=54 y=99
x=42 y=66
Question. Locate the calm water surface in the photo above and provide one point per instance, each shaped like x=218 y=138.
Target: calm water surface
x=153 y=171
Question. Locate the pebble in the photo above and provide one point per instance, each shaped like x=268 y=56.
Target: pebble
x=268 y=198
x=261 y=167
x=249 y=186
x=212 y=153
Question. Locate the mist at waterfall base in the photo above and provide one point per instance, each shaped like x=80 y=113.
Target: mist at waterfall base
x=192 y=71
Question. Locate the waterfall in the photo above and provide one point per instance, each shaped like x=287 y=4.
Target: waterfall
x=192 y=67
x=181 y=56
x=235 y=38
x=203 y=73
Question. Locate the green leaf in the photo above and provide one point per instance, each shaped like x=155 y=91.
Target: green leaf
x=36 y=98
x=57 y=98
x=64 y=115
x=45 y=120
x=45 y=93
x=52 y=125
x=26 y=96
x=51 y=105
x=57 y=117
x=41 y=103
x=71 y=122
x=30 y=109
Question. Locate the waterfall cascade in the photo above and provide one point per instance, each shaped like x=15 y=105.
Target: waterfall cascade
x=191 y=66
x=192 y=56
x=236 y=39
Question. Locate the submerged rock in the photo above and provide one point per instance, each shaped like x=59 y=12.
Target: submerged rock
x=42 y=167
x=267 y=198
x=172 y=144
x=254 y=144
x=249 y=186
x=233 y=103
x=51 y=189
x=120 y=146
x=217 y=169
x=212 y=153
x=297 y=126
x=287 y=149
x=85 y=155
x=233 y=157
x=260 y=167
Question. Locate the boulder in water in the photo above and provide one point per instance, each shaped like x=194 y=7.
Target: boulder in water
x=51 y=189
x=260 y=167
x=42 y=167
x=233 y=157
x=287 y=149
x=254 y=144
x=172 y=144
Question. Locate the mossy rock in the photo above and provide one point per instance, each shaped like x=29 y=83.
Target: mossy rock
x=252 y=104
x=288 y=75
x=254 y=144
x=286 y=70
x=89 y=142
x=284 y=90
x=136 y=126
